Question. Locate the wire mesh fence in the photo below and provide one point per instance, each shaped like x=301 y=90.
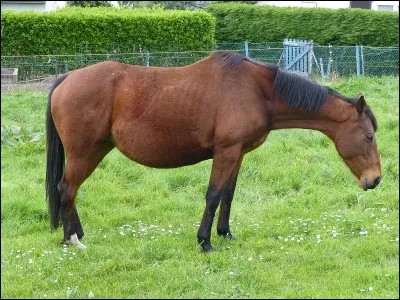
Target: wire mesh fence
x=381 y=61
x=328 y=62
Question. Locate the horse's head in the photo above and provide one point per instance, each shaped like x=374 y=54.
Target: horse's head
x=355 y=141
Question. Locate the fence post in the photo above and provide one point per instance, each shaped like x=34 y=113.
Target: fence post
x=286 y=49
x=322 y=68
x=246 y=48
x=362 y=59
x=331 y=68
x=328 y=70
x=56 y=70
x=358 y=60
x=66 y=68
x=147 y=59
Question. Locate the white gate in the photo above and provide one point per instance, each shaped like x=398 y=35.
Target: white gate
x=298 y=56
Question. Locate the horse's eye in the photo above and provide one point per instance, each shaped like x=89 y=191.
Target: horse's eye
x=369 y=137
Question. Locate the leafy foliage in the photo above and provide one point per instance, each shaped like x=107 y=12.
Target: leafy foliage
x=350 y=26
x=192 y=5
x=244 y=2
x=103 y=30
x=165 y=4
x=13 y=135
x=89 y=3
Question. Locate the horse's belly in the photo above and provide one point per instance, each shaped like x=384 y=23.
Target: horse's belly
x=159 y=150
x=169 y=160
x=160 y=157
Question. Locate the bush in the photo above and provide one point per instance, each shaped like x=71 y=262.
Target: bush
x=350 y=26
x=105 y=30
x=89 y=3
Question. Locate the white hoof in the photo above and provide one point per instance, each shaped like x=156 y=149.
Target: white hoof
x=74 y=241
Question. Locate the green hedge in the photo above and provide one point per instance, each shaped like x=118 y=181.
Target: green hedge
x=350 y=26
x=105 y=30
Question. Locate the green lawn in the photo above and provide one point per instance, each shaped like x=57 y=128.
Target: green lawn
x=303 y=227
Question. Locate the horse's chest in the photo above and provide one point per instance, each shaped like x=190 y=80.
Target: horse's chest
x=256 y=143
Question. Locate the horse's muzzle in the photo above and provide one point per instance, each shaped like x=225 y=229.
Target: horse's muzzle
x=368 y=185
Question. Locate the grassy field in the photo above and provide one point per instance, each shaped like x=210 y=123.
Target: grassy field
x=303 y=227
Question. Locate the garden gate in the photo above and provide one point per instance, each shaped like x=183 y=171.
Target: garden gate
x=298 y=56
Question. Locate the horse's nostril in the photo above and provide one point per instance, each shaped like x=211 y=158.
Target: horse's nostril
x=377 y=180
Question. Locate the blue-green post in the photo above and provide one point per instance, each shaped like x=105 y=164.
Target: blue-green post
x=358 y=60
x=147 y=59
x=322 y=68
x=362 y=59
x=246 y=48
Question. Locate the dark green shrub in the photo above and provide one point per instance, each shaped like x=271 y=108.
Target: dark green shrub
x=350 y=26
x=105 y=30
x=89 y=3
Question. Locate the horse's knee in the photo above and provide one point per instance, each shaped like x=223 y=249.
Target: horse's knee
x=213 y=204
x=213 y=198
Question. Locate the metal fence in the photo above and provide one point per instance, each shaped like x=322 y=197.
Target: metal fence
x=329 y=61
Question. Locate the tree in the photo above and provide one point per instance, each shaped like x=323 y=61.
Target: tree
x=90 y=3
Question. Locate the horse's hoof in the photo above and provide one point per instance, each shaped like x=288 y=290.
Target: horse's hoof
x=74 y=241
x=227 y=235
x=230 y=236
x=207 y=247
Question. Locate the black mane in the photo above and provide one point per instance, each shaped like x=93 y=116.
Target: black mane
x=233 y=60
x=295 y=90
x=229 y=60
x=298 y=91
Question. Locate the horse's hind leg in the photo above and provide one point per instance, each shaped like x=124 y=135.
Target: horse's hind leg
x=69 y=215
x=226 y=201
x=78 y=168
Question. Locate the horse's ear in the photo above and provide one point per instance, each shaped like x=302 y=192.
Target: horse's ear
x=361 y=104
x=360 y=95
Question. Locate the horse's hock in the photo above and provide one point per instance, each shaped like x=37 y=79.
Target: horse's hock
x=9 y=75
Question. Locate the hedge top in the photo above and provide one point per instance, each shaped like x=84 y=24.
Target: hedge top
x=104 y=11
x=346 y=26
x=70 y=29
x=108 y=29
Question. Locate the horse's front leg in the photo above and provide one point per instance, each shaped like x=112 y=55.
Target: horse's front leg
x=226 y=201
x=224 y=162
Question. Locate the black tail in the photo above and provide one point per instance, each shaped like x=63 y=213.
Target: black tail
x=55 y=163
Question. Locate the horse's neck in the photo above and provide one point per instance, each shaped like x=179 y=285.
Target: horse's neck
x=333 y=112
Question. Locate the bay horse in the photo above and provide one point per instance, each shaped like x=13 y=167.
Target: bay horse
x=218 y=108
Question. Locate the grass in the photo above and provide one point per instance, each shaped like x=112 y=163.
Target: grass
x=304 y=228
